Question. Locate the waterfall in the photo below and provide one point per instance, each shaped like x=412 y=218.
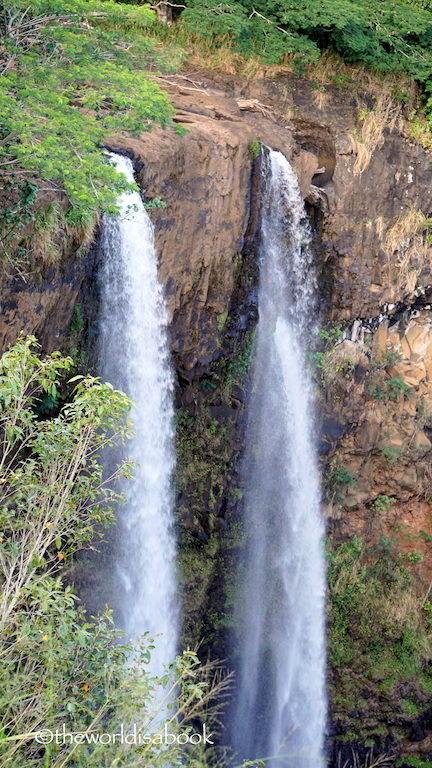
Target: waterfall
x=280 y=705
x=134 y=357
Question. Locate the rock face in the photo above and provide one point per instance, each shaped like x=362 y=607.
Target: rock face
x=204 y=177
x=43 y=304
x=379 y=388
x=369 y=202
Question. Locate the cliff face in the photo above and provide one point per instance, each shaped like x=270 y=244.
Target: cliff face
x=367 y=188
x=204 y=177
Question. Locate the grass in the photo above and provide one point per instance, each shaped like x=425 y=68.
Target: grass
x=201 y=53
x=373 y=122
x=332 y=69
x=419 y=129
x=337 y=365
x=46 y=228
x=406 y=245
x=378 y=635
x=53 y=234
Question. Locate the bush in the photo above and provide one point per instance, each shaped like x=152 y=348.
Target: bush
x=378 y=630
x=254 y=148
x=382 y=503
x=72 y=73
x=60 y=668
x=338 y=480
x=389 y=37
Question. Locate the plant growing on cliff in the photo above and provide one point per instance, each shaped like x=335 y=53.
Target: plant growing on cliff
x=378 y=631
x=382 y=503
x=373 y=122
x=254 y=148
x=338 y=480
x=155 y=203
x=392 y=452
x=388 y=389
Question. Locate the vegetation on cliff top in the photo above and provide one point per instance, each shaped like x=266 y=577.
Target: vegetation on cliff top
x=388 y=36
x=72 y=72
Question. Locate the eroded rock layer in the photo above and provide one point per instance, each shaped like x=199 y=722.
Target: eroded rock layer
x=367 y=186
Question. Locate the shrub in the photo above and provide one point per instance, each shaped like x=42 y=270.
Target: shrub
x=254 y=148
x=378 y=631
x=59 y=667
x=382 y=503
x=338 y=480
x=392 y=452
x=72 y=73
x=396 y=386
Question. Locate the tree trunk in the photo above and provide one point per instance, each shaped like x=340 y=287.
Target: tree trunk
x=164 y=13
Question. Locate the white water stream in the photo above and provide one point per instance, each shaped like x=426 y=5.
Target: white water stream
x=134 y=357
x=280 y=706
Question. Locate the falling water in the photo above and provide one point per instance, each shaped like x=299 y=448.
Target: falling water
x=134 y=357
x=281 y=706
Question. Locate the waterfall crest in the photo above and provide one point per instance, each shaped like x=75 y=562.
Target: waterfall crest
x=134 y=357
x=280 y=704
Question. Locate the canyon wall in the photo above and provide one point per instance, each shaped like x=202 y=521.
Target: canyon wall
x=369 y=202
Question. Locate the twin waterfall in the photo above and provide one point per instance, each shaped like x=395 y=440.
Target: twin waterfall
x=134 y=356
x=279 y=705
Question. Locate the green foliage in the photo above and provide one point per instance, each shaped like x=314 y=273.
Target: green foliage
x=327 y=361
x=414 y=556
x=77 y=321
x=181 y=130
x=59 y=667
x=207 y=453
x=37 y=508
x=330 y=335
x=392 y=452
x=72 y=73
x=203 y=453
x=388 y=389
x=389 y=36
x=425 y=536
x=236 y=369
x=378 y=632
x=382 y=503
x=410 y=707
x=254 y=148
x=415 y=762
x=338 y=480
x=154 y=203
x=396 y=386
x=17 y=198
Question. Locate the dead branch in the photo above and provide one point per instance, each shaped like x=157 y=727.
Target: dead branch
x=178 y=85
x=269 y=21
x=165 y=2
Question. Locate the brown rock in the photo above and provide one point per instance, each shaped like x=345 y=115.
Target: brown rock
x=380 y=338
x=421 y=442
x=306 y=165
x=419 y=338
x=367 y=435
x=411 y=373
